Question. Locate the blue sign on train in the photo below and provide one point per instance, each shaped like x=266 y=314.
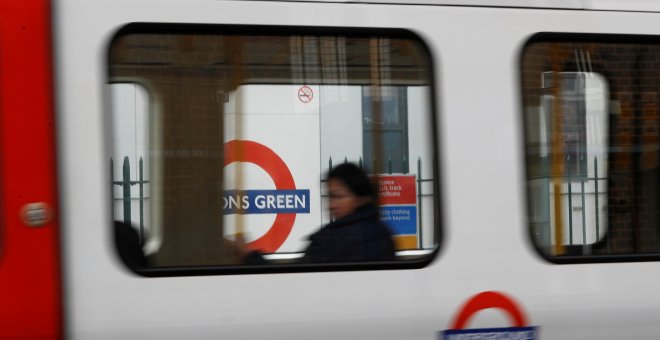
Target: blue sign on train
x=487 y=300
x=505 y=333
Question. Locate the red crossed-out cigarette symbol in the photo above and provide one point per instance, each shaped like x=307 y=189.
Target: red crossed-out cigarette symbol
x=305 y=94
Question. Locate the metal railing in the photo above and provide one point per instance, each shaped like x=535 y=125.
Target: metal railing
x=125 y=182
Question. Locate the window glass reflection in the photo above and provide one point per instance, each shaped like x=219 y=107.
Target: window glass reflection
x=238 y=132
x=592 y=151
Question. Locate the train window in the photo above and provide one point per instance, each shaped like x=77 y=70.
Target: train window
x=592 y=146
x=220 y=155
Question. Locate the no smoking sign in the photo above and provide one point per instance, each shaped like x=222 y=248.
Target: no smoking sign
x=305 y=94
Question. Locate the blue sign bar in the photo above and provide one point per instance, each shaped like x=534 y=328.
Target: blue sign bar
x=505 y=333
x=266 y=202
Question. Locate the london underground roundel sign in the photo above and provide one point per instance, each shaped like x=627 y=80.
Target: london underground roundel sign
x=285 y=201
x=486 y=300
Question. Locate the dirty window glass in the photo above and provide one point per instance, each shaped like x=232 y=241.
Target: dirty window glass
x=223 y=139
x=592 y=147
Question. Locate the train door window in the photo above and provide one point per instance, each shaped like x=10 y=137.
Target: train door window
x=235 y=130
x=592 y=147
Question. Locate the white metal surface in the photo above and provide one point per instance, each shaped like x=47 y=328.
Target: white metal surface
x=565 y=4
x=600 y=5
x=476 y=54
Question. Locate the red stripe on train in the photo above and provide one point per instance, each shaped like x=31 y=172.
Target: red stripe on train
x=30 y=291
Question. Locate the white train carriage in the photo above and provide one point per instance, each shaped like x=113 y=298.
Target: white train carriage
x=515 y=146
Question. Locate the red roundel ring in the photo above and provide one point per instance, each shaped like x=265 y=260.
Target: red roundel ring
x=269 y=161
x=490 y=299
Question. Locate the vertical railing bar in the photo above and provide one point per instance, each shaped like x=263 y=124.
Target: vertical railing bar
x=126 y=183
x=570 y=212
x=404 y=167
x=584 y=214
x=570 y=205
x=112 y=188
x=597 y=193
x=141 y=183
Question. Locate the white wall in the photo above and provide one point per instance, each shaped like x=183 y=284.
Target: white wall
x=274 y=116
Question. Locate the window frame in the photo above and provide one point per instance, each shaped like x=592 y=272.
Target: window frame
x=571 y=37
x=419 y=261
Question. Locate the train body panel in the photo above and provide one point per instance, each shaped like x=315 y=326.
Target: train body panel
x=483 y=217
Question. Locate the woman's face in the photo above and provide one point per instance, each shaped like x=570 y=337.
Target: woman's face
x=343 y=201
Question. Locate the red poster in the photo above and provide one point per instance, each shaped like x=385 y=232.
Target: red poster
x=397 y=189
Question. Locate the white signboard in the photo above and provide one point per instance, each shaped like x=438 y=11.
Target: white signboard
x=272 y=171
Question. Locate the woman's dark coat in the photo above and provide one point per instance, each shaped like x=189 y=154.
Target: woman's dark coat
x=358 y=237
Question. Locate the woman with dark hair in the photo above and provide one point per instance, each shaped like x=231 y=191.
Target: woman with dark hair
x=356 y=233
